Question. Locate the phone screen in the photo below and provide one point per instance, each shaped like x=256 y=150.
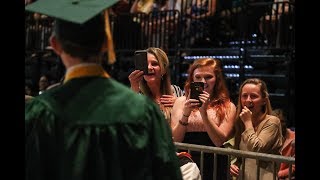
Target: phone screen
x=141 y=61
x=196 y=89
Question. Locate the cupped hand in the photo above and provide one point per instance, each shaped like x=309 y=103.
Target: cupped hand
x=190 y=104
x=205 y=99
x=135 y=77
x=245 y=115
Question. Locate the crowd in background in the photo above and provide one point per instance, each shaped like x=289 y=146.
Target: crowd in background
x=211 y=120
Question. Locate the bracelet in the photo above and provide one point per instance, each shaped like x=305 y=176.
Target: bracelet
x=185 y=115
x=183 y=123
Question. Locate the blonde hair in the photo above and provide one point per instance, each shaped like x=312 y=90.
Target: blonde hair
x=165 y=83
x=266 y=109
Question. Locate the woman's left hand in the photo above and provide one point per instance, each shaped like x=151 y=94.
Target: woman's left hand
x=168 y=100
x=205 y=99
x=245 y=115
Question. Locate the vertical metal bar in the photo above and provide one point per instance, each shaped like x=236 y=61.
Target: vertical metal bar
x=258 y=169
x=290 y=170
x=243 y=168
x=215 y=160
x=275 y=170
x=228 y=167
x=201 y=164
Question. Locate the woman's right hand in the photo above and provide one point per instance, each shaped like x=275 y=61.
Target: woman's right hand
x=245 y=117
x=234 y=170
x=189 y=104
x=135 y=77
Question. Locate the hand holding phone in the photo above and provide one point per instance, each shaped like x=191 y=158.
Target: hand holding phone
x=141 y=61
x=196 y=89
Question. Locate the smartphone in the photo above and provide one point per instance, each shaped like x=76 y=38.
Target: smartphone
x=141 y=61
x=196 y=89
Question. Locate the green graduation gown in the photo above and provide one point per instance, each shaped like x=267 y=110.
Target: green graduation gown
x=94 y=128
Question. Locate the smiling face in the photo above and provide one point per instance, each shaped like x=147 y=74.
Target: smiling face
x=252 y=98
x=206 y=75
x=154 y=69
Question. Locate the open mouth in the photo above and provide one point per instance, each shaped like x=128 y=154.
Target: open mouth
x=250 y=105
x=150 y=73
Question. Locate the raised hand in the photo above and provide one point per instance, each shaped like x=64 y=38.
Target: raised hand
x=135 y=77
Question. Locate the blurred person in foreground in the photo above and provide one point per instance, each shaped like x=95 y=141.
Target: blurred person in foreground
x=92 y=127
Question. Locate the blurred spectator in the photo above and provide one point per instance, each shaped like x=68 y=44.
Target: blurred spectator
x=120 y=7
x=288 y=147
x=198 y=15
x=43 y=83
x=146 y=6
x=162 y=21
x=29 y=89
x=277 y=25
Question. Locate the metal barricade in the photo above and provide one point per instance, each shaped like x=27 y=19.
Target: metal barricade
x=275 y=159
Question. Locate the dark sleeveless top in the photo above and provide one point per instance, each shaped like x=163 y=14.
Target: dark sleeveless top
x=202 y=138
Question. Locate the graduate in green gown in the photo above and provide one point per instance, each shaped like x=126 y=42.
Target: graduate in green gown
x=92 y=127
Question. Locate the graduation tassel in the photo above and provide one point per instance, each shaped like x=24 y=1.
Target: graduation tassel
x=110 y=48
